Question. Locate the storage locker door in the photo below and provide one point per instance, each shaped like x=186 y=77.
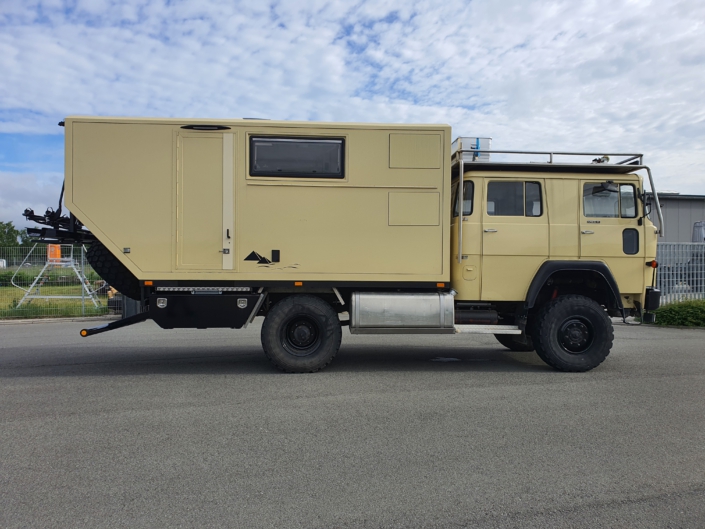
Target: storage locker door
x=200 y=202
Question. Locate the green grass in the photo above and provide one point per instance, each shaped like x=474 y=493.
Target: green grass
x=684 y=314
x=49 y=308
x=26 y=276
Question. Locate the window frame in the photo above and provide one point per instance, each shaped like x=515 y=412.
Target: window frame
x=636 y=202
x=523 y=198
x=628 y=232
x=288 y=175
x=618 y=192
x=540 y=199
x=455 y=199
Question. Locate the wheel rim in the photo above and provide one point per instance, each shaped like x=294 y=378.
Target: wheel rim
x=301 y=336
x=576 y=335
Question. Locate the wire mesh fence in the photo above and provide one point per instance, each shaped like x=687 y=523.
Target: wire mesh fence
x=51 y=281
x=681 y=271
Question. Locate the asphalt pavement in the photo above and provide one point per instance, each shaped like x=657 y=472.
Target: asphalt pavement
x=143 y=427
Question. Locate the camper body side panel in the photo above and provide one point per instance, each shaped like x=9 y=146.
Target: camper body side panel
x=138 y=184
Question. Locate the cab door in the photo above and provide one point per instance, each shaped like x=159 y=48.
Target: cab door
x=514 y=236
x=610 y=230
x=204 y=201
x=466 y=274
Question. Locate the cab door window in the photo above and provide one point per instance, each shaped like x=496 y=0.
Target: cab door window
x=608 y=200
x=514 y=199
x=627 y=201
x=468 y=196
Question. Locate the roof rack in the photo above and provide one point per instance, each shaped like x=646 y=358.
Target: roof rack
x=474 y=153
x=477 y=151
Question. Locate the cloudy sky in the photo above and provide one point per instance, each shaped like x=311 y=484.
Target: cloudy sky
x=602 y=75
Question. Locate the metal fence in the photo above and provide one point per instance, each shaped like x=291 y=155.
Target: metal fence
x=43 y=281
x=681 y=271
x=51 y=281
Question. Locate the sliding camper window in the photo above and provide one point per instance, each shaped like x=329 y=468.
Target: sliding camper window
x=297 y=157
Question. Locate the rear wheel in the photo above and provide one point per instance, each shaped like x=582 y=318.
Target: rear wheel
x=301 y=334
x=572 y=333
x=515 y=342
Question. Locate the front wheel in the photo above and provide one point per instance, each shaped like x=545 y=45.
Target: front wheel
x=572 y=333
x=301 y=334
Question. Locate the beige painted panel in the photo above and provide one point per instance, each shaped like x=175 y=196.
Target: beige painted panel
x=564 y=240
x=120 y=187
x=415 y=151
x=324 y=230
x=629 y=273
x=563 y=213
x=414 y=209
x=507 y=278
x=200 y=202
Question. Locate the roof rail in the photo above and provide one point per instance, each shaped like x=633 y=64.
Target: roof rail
x=479 y=151
x=472 y=153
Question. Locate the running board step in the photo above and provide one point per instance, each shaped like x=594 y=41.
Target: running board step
x=487 y=329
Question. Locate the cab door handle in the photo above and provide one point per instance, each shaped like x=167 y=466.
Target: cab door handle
x=490 y=230
x=587 y=232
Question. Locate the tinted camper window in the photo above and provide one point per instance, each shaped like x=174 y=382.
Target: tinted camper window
x=297 y=157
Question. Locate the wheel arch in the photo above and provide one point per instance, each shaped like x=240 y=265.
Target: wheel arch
x=575 y=277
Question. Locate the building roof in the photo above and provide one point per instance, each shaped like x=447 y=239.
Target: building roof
x=677 y=196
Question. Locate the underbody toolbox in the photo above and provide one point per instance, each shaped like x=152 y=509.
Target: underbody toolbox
x=201 y=311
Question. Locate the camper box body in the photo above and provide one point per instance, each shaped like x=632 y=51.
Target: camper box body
x=190 y=202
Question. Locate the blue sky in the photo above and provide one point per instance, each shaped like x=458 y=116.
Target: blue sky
x=603 y=75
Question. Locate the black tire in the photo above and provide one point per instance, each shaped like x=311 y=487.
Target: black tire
x=301 y=334
x=113 y=271
x=515 y=343
x=572 y=333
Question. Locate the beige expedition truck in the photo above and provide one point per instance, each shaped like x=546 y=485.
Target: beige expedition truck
x=381 y=228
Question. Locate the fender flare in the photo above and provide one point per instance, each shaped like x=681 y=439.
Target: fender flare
x=549 y=268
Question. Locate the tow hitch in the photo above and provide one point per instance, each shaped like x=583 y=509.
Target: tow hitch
x=130 y=320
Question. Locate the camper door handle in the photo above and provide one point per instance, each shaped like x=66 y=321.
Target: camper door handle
x=227 y=233
x=587 y=232
x=490 y=230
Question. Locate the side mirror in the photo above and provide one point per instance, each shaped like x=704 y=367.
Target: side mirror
x=609 y=186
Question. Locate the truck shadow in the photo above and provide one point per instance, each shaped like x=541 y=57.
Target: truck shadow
x=250 y=360
x=433 y=359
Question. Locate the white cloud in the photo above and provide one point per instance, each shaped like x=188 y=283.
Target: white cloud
x=564 y=75
x=37 y=191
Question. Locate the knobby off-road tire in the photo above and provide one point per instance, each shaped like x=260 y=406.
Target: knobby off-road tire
x=572 y=333
x=511 y=341
x=301 y=334
x=113 y=271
